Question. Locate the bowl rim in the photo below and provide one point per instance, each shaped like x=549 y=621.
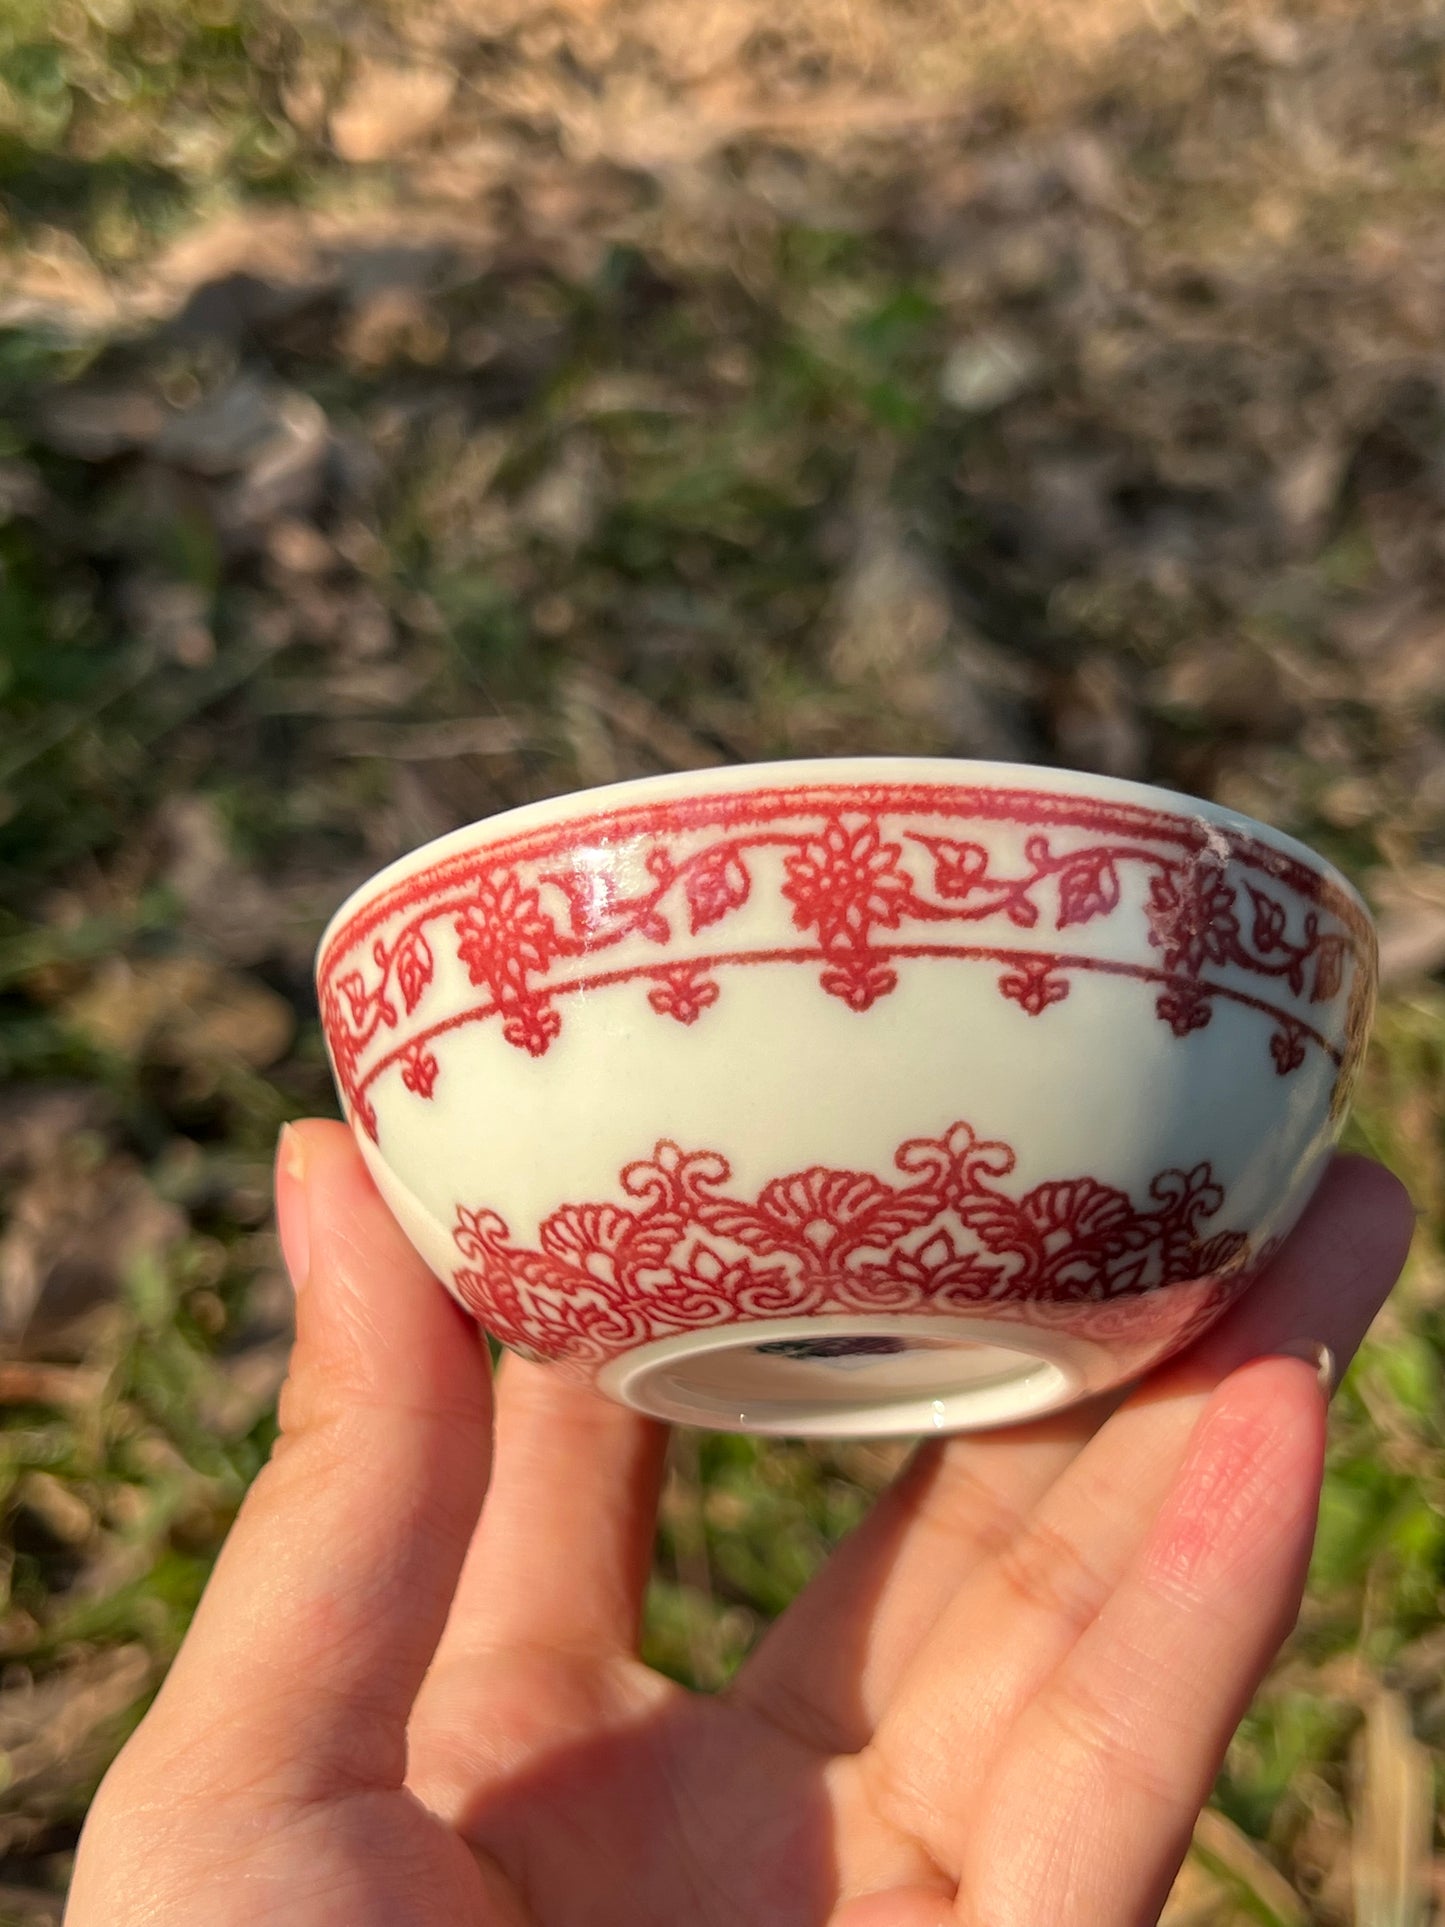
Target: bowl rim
x=822 y=772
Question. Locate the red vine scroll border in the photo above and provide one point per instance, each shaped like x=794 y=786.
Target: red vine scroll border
x=520 y=909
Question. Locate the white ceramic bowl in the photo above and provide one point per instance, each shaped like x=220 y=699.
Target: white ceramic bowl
x=859 y=1097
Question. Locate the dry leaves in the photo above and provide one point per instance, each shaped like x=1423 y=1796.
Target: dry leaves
x=181 y=1011
x=387 y=109
x=78 y=1216
x=57 y=1730
x=1411 y=906
x=1394 y=1819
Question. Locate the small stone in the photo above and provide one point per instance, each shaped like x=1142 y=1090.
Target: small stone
x=300 y=548
x=988 y=371
x=565 y=504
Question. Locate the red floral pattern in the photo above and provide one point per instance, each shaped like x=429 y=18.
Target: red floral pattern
x=1035 y=983
x=683 y=991
x=872 y=877
x=1191 y=916
x=947 y=1235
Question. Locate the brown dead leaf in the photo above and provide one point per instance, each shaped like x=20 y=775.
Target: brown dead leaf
x=564 y=504
x=55 y=282
x=96 y=424
x=299 y=548
x=227 y=905
x=180 y=1010
x=1411 y=917
x=54 y=1733
x=37 y=1120
x=174 y=617
x=243 y=1387
x=1394 y=1819
x=30 y=1907
x=62 y=1510
x=1308 y=485
x=74 y=1229
x=394 y=324
x=68 y=1387
x=1097 y=721
x=897 y=637
x=1239 y=1864
x=595 y=698
x=387 y=109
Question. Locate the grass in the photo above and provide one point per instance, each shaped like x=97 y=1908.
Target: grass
x=598 y=472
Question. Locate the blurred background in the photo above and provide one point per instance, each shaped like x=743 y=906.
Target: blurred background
x=407 y=411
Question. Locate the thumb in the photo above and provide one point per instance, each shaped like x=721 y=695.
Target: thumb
x=330 y=1594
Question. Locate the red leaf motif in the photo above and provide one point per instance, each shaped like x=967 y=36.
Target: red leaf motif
x=1269 y=922
x=414 y=968
x=715 y=885
x=419 y=1070
x=1225 y=1251
x=860 y=982
x=958 y=868
x=1184 y=1007
x=353 y=988
x=683 y=993
x=1329 y=970
x=1128 y=1276
x=1287 y=1048
x=1021 y=911
x=1034 y=984
x=1089 y=887
x=532 y=1026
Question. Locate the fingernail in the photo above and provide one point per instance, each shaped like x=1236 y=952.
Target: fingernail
x=293 y=1225
x=1313 y=1353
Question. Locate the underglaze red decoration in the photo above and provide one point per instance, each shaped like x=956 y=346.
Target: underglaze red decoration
x=871 y=881
x=683 y=991
x=419 y=1070
x=1035 y=983
x=947 y=1235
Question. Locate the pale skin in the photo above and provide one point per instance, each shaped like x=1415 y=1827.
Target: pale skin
x=411 y=1696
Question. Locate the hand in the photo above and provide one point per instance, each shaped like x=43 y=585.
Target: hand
x=1002 y=1702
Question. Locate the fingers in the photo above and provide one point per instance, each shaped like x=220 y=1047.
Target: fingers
x=1016 y=1616
x=1134 y=1724
x=569 y=1521
x=330 y=1593
x=829 y=1666
x=557 y=1570
x=1329 y=1280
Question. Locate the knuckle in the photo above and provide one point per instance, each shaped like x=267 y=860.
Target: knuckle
x=964 y=1497
x=1046 y=1572
x=1103 y=1733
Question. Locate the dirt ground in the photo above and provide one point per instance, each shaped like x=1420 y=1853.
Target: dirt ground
x=407 y=412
